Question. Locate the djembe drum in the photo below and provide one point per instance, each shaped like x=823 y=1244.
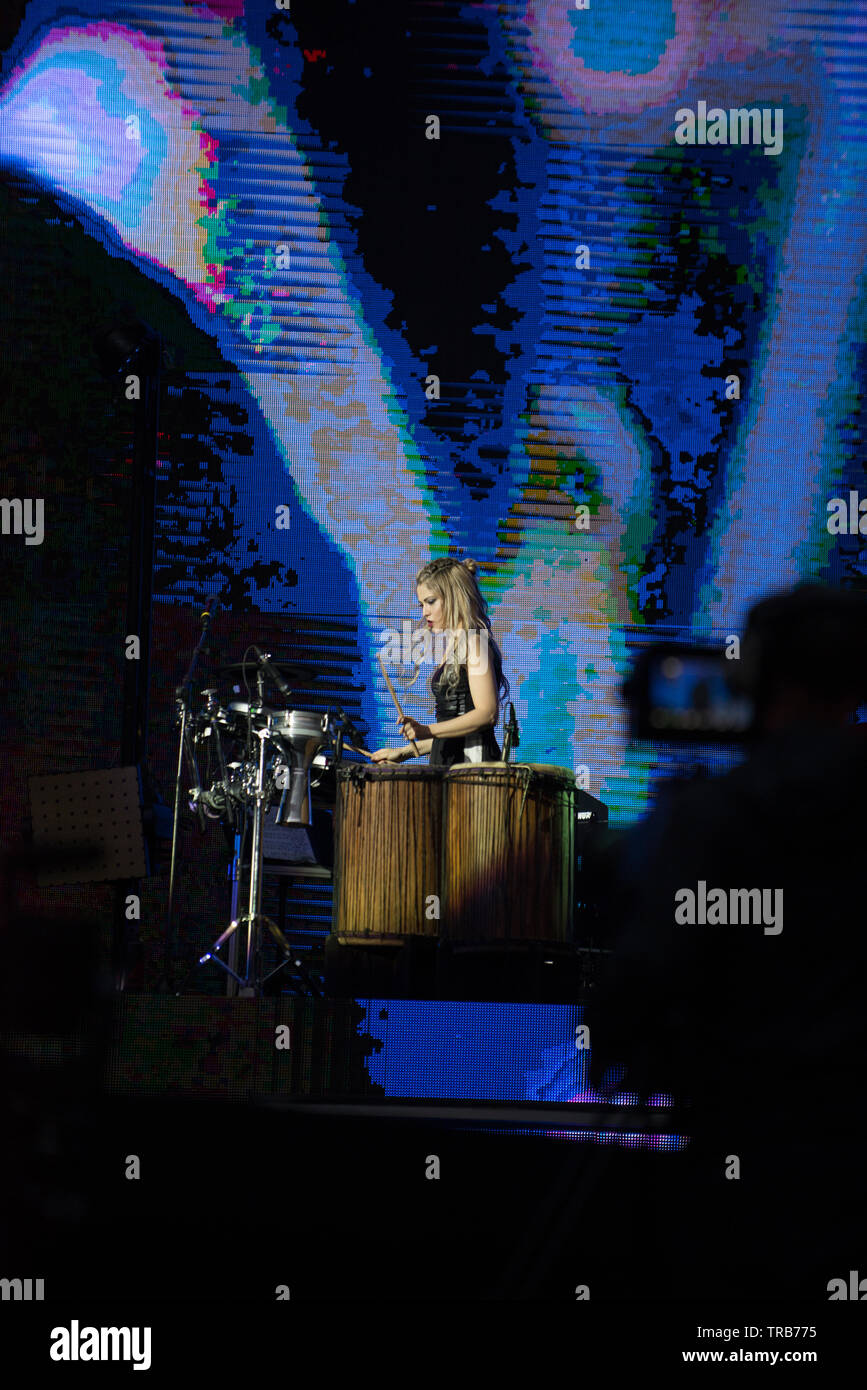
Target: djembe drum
x=509 y=853
x=387 y=853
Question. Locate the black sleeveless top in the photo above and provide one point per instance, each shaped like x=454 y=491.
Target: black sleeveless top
x=480 y=746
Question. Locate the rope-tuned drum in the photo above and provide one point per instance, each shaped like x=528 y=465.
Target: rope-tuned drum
x=509 y=852
x=492 y=845
x=387 y=852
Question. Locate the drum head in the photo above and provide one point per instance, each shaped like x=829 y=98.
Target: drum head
x=563 y=775
x=388 y=772
x=519 y=772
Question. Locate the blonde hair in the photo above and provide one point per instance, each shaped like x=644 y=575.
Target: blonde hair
x=464 y=610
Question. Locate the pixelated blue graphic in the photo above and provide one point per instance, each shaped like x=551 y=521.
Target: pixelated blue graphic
x=473 y=1051
x=694 y=381
x=622 y=37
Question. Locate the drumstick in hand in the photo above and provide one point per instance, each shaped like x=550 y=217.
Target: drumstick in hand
x=363 y=751
x=396 y=701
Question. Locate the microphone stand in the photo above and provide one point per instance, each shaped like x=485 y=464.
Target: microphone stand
x=185 y=749
x=346 y=731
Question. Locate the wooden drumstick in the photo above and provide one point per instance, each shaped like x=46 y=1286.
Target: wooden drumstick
x=363 y=751
x=412 y=745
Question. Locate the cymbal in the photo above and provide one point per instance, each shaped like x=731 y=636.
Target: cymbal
x=289 y=670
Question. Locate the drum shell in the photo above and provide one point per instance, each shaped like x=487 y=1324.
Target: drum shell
x=388 y=847
x=300 y=727
x=508 y=872
x=299 y=734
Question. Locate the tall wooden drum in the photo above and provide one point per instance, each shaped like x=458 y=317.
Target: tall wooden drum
x=509 y=853
x=388 y=848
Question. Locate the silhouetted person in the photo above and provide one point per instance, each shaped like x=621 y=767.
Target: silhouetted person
x=760 y=1027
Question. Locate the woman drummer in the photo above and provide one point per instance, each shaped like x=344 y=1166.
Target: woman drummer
x=469 y=685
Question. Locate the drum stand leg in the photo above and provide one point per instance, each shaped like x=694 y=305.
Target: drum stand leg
x=232 y=952
x=250 y=985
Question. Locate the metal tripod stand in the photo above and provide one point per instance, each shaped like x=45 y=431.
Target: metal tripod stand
x=250 y=984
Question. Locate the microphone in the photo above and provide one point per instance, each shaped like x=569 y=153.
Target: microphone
x=348 y=729
x=513 y=734
x=273 y=675
x=211 y=609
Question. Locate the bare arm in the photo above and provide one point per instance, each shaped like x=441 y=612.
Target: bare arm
x=400 y=755
x=423 y=747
